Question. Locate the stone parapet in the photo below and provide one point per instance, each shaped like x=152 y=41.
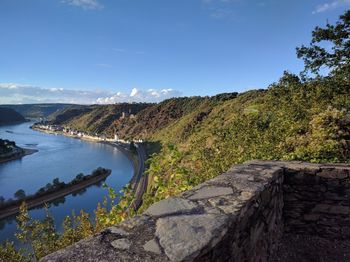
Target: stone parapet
x=238 y=216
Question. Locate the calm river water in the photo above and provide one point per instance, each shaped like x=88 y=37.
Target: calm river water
x=58 y=157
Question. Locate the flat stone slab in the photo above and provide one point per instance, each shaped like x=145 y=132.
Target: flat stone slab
x=117 y=231
x=152 y=246
x=134 y=222
x=185 y=236
x=171 y=206
x=211 y=191
x=121 y=244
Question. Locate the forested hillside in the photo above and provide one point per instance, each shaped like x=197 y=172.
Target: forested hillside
x=156 y=117
x=36 y=110
x=9 y=116
x=95 y=118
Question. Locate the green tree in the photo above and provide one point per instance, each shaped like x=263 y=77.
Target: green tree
x=335 y=54
x=25 y=234
x=20 y=194
x=56 y=182
x=2 y=200
x=9 y=253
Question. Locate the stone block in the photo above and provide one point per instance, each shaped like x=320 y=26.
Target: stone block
x=171 y=206
x=183 y=237
x=211 y=191
x=122 y=244
x=152 y=246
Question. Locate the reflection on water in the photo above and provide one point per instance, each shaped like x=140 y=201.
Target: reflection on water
x=58 y=157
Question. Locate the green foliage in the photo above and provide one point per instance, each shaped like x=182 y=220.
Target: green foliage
x=336 y=58
x=166 y=176
x=20 y=194
x=328 y=138
x=118 y=210
x=42 y=238
x=8 y=253
x=292 y=120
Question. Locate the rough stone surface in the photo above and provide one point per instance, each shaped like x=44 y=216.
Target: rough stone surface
x=186 y=236
x=208 y=192
x=135 y=222
x=117 y=231
x=319 y=203
x=122 y=244
x=242 y=215
x=171 y=206
x=302 y=248
x=152 y=246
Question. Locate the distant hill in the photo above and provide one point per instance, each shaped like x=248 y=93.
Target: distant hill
x=95 y=118
x=9 y=116
x=36 y=110
x=139 y=120
x=158 y=116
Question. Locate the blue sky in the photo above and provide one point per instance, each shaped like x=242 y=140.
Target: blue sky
x=87 y=51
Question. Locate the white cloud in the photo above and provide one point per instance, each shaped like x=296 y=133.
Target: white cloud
x=331 y=6
x=85 y=4
x=134 y=92
x=136 y=95
x=13 y=93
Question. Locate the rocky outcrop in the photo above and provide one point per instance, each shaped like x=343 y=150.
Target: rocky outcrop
x=238 y=216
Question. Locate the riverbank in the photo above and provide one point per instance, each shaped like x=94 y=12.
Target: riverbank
x=39 y=200
x=135 y=159
x=123 y=147
x=78 y=135
x=19 y=155
x=139 y=179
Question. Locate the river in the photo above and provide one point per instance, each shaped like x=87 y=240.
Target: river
x=58 y=157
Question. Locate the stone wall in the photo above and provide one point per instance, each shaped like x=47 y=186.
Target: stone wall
x=237 y=216
x=317 y=201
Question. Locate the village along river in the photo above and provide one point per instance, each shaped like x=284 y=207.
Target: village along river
x=58 y=157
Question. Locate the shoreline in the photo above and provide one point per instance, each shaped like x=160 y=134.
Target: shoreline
x=130 y=155
x=138 y=181
x=35 y=201
x=26 y=152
